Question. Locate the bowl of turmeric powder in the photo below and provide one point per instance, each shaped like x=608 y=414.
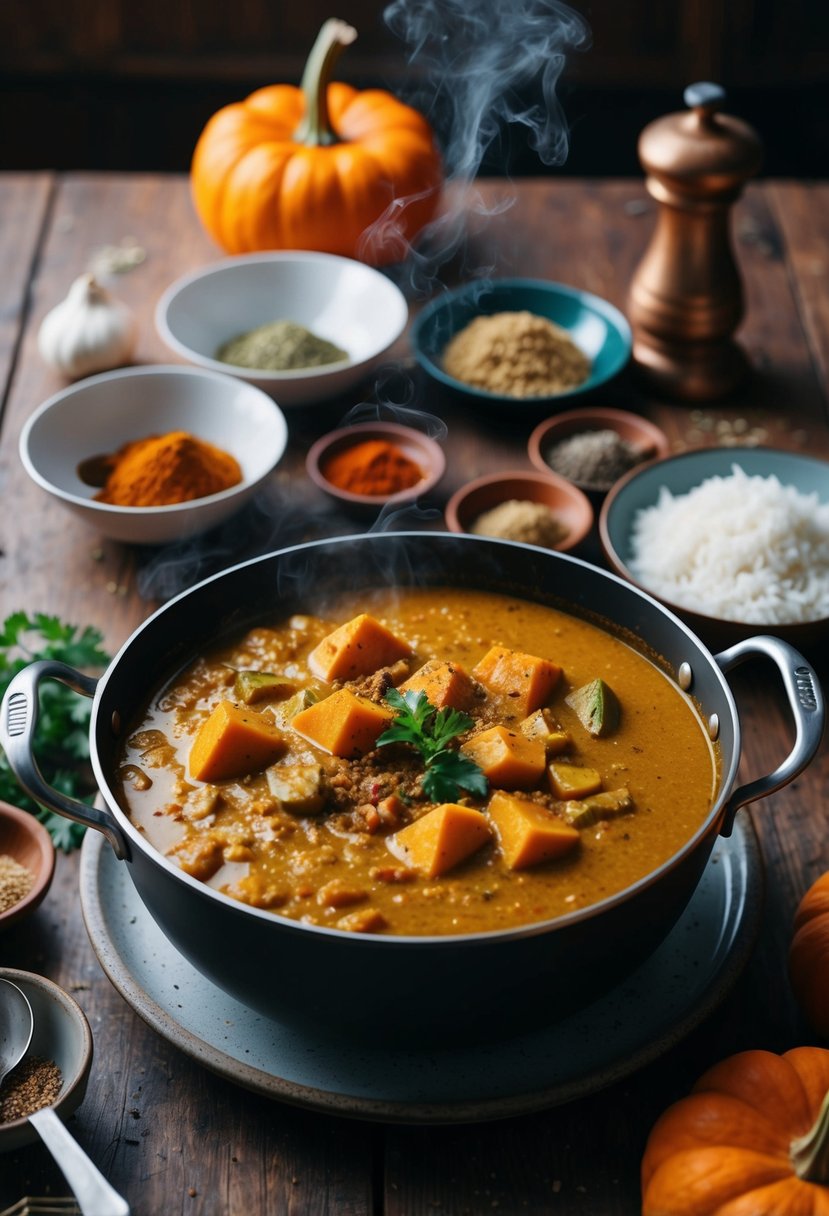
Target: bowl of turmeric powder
x=154 y=454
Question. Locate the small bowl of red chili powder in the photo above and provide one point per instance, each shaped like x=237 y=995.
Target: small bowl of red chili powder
x=369 y=464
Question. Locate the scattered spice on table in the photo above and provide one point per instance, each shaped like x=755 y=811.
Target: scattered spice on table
x=595 y=458
x=517 y=354
x=372 y=467
x=165 y=469
x=280 y=346
x=534 y=523
x=33 y=1084
x=16 y=881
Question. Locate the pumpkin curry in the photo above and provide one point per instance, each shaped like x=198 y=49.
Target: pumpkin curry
x=420 y=762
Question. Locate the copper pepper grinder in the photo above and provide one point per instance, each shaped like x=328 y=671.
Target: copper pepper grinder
x=686 y=296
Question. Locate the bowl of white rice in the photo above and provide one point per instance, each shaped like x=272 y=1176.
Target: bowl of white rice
x=734 y=540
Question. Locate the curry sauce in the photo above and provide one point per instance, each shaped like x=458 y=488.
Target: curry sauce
x=321 y=833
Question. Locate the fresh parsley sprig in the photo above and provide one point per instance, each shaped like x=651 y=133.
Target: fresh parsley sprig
x=429 y=731
x=61 y=742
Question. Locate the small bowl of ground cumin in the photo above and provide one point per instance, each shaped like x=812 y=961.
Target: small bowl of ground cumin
x=530 y=508
x=55 y=1070
x=154 y=454
x=27 y=864
x=524 y=343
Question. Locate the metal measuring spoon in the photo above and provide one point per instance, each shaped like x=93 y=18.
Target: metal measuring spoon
x=94 y=1194
x=16 y=1027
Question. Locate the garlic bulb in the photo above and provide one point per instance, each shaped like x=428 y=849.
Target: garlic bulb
x=90 y=331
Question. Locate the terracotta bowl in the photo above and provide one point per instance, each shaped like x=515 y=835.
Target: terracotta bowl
x=419 y=447
x=61 y=1034
x=638 y=431
x=26 y=840
x=563 y=498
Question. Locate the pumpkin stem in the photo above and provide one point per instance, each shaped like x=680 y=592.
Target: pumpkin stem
x=333 y=38
x=810 y=1153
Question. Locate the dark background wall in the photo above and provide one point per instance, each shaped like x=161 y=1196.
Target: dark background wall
x=115 y=84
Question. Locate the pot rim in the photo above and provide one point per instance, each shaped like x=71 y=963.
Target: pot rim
x=709 y=826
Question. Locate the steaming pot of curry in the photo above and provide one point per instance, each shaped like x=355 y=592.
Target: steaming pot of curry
x=381 y=781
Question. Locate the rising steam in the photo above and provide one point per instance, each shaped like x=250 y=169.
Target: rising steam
x=480 y=67
x=483 y=61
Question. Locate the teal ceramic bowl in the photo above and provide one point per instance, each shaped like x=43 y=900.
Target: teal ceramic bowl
x=594 y=325
x=680 y=474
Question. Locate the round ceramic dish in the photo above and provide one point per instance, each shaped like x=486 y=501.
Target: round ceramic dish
x=426 y=453
x=594 y=325
x=98 y=415
x=339 y=299
x=679 y=474
x=564 y=499
x=62 y=1035
x=26 y=840
x=648 y=440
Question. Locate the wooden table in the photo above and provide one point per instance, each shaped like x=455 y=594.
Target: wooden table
x=173 y=1137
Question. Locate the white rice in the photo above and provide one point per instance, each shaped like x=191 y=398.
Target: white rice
x=742 y=548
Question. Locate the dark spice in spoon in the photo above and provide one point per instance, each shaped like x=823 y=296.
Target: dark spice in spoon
x=33 y=1084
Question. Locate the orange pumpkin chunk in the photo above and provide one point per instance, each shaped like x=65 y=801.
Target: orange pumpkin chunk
x=357 y=648
x=446 y=685
x=441 y=839
x=234 y=741
x=524 y=681
x=529 y=834
x=573 y=780
x=343 y=724
x=507 y=758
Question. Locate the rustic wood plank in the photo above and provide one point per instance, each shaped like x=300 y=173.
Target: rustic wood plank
x=24 y=203
x=800 y=210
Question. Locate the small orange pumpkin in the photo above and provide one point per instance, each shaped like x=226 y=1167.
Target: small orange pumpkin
x=323 y=166
x=752 y=1139
x=809 y=956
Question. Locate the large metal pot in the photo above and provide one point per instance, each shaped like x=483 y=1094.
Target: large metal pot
x=405 y=985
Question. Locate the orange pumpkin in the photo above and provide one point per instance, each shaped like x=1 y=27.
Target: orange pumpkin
x=809 y=956
x=323 y=166
x=752 y=1139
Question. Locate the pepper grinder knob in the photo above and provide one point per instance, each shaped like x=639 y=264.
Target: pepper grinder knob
x=686 y=298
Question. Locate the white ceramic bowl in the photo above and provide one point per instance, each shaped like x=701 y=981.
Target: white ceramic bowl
x=341 y=300
x=98 y=415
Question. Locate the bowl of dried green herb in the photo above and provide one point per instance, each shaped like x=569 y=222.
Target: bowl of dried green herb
x=304 y=326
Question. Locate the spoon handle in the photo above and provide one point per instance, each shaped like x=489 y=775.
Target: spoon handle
x=94 y=1194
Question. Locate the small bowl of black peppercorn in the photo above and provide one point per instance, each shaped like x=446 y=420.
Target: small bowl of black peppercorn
x=594 y=447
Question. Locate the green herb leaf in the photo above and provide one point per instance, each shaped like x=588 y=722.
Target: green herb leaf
x=429 y=730
x=61 y=742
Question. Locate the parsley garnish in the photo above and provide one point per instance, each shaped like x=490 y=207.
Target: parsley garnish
x=61 y=742
x=429 y=730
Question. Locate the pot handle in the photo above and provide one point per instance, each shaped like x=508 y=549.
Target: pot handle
x=806 y=702
x=18 y=719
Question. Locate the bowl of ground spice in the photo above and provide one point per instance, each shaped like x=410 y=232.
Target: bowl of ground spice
x=367 y=465
x=593 y=446
x=525 y=343
x=531 y=508
x=55 y=1070
x=154 y=454
x=27 y=864
x=303 y=326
